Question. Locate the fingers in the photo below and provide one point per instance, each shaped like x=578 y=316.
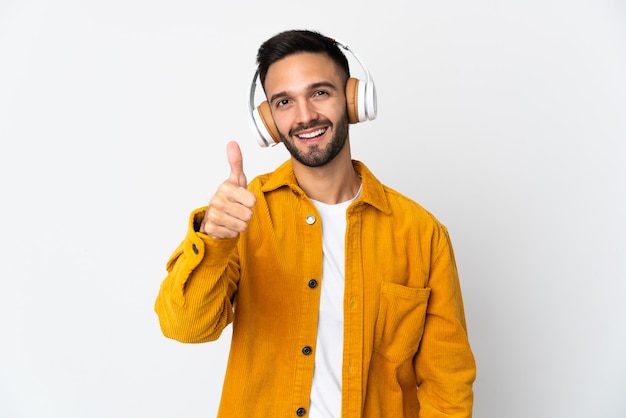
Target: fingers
x=229 y=211
x=235 y=160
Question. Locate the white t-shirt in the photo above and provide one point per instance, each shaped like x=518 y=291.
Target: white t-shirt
x=326 y=390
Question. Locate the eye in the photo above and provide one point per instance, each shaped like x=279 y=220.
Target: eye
x=281 y=103
x=321 y=93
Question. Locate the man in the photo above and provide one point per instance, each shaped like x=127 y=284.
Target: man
x=344 y=294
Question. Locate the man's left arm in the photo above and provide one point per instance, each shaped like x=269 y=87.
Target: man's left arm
x=444 y=365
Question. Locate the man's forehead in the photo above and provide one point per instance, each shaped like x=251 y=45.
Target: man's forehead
x=301 y=70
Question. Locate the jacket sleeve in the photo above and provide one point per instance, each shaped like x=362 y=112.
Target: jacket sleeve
x=195 y=300
x=444 y=365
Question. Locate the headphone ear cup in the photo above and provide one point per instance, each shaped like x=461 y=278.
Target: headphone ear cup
x=361 y=100
x=352 y=100
x=265 y=125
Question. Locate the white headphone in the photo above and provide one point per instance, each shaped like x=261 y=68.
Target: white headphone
x=360 y=96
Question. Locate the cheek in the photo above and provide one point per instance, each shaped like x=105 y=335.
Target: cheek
x=281 y=122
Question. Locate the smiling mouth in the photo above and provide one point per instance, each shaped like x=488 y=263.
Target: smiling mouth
x=313 y=134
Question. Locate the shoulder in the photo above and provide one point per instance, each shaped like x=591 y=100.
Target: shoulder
x=411 y=211
x=390 y=201
x=400 y=200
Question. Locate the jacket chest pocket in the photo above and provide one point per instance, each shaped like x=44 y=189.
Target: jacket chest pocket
x=400 y=322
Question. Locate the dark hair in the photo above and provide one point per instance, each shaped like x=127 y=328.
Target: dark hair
x=292 y=42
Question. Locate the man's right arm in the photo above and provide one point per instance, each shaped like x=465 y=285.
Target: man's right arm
x=195 y=299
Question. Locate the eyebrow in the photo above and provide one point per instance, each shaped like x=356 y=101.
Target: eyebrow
x=311 y=87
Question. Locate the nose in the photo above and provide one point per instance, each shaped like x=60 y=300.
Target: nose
x=305 y=112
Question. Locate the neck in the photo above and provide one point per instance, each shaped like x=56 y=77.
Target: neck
x=332 y=183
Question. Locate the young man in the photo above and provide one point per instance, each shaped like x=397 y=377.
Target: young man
x=344 y=294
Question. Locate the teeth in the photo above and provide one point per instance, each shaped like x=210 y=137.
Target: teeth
x=312 y=134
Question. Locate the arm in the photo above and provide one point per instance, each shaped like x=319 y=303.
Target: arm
x=444 y=365
x=195 y=302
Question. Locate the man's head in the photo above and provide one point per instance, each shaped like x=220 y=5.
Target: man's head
x=304 y=76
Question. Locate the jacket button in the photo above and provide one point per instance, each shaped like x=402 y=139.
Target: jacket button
x=194 y=247
x=312 y=283
x=310 y=219
x=307 y=350
x=300 y=412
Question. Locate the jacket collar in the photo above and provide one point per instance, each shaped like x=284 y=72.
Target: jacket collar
x=372 y=193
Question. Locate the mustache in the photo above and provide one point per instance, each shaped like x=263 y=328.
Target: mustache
x=313 y=124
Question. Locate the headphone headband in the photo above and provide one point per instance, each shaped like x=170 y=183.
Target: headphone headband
x=262 y=135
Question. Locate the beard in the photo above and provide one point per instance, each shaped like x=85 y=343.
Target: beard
x=316 y=157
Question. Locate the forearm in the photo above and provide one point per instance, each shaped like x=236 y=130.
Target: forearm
x=194 y=301
x=446 y=371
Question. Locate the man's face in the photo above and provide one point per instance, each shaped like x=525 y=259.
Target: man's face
x=306 y=93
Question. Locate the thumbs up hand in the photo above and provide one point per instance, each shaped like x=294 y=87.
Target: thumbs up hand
x=230 y=209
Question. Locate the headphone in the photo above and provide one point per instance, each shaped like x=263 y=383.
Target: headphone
x=360 y=96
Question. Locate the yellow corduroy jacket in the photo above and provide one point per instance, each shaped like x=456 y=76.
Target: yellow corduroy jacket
x=406 y=349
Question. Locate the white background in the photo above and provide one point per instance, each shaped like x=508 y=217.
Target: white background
x=507 y=120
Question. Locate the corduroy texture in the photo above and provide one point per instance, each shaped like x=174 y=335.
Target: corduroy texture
x=406 y=350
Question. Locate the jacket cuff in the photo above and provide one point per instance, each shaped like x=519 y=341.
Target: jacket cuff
x=201 y=247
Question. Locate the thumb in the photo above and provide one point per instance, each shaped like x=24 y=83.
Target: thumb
x=235 y=160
